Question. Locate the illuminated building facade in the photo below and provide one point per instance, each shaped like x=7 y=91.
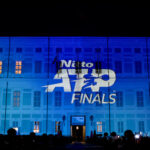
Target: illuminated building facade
x=70 y=84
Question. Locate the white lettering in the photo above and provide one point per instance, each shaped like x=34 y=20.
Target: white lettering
x=65 y=82
x=100 y=82
x=74 y=97
x=71 y=63
x=87 y=98
x=64 y=63
x=112 y=98
x=96 y=99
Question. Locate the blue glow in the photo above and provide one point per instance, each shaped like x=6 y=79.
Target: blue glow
x=24 y=102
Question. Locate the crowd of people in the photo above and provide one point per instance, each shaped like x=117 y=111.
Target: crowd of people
x=129 y=141
x=32 y=141
x=106 y=141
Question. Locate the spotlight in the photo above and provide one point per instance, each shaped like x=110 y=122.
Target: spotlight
x=77 y=127
x=137 y=136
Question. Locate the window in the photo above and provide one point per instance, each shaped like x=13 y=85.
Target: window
x=141 y=126
x=36 y=127
x=97 y=50
x=1 y=50
x=117 y=50
x=26 y=97
x=37 y=98
x=137 y=50
x=118 y=66
x=18 y=67
x=78 y=50
x=140 y=102
x=1 y=66
x=58 y=98
x=18 y=50
x=99 y=127
x=119 y=101
x=16 y=98
x=38 y=66
x=38 y=50
x=138 y=67
x=120 y=127
x=57 y=127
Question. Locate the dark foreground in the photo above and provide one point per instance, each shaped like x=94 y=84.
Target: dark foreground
x=59 y=142
x=83 y=146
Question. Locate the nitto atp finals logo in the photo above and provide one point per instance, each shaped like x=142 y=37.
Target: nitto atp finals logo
x=87 y=78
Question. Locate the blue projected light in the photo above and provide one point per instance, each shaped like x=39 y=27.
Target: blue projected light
x=44 y=81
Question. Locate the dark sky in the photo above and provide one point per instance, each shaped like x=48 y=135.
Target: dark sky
x=76 y=19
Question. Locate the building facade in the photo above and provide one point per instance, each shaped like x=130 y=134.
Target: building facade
x=70 y=84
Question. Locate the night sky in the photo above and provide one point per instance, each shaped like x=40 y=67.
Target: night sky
x=76 y=19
